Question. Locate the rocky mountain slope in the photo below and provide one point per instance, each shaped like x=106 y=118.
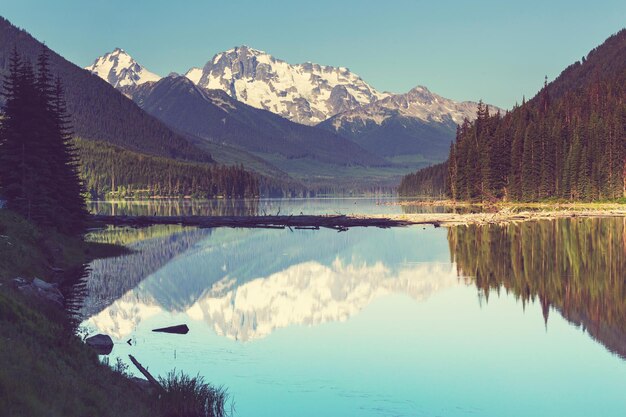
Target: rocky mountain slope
x=417 y=122
x=304 y=93
x=98 y=110
x=418 y=125
x=215 y=116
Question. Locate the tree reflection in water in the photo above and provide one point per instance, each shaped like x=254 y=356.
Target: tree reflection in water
x=576 y=266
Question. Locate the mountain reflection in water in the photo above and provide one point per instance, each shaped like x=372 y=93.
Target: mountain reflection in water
x=378 y=322
x=246 y=283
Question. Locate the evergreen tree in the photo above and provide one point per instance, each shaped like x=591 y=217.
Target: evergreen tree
x=38 y=174
x=571 y=147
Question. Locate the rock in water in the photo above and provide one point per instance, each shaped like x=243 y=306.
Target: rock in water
x=180 y=329
x=101 y=343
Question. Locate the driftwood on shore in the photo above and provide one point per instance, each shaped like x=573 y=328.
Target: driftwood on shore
x=339 y=222
x=342 y=223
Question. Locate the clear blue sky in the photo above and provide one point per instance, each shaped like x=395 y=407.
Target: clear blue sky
x=465 y=50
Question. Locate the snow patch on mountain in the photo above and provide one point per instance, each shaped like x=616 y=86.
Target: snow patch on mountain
x=419 y=103
x=194 y=75
x=305 y=93
x=119 y=69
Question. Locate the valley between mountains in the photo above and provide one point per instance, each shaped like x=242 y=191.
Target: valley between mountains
x=319 y=125
x=302 y=129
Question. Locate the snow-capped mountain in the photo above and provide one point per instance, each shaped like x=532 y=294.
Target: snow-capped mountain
x=120 y=70
x=417 y=122
x=215 y=116
x=305 y=93
x=418 y=103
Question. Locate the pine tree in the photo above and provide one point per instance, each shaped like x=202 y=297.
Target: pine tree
x=38 y=168
x=451 y=182
x=22 y=159
x=10 y=143
x=70 y=188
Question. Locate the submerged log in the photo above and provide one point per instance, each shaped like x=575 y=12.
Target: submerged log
x=180 y=329
x=339 y=223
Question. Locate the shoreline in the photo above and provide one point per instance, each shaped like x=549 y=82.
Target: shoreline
x=503 y=215
x=506 y=215
x=36 y=331
x=508 y=205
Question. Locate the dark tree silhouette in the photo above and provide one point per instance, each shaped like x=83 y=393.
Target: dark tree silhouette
x=38 y=167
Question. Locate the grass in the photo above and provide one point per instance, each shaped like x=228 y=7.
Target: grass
x=26 y=251
x=187 y=396
x=46 y=370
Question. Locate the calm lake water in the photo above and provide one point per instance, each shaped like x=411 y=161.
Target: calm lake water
x=518 y=320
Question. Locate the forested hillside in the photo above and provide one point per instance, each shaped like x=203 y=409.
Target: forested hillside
x=568 y=142
x=429 y=181
x=216 y=117
x=97 y=110
x=109 y=171
x=116 y=172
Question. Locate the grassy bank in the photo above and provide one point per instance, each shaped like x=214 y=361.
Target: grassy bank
x=27 y=251
x=44 y=369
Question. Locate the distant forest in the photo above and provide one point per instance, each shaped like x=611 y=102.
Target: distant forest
x=568 y=142
x=430 y=181
x=111 y=171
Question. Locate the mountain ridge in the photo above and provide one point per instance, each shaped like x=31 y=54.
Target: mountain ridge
x=215 y=116
x=241 y=70
x=416 y=124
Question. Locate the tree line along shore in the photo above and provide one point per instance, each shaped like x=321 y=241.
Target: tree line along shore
x=567 y=143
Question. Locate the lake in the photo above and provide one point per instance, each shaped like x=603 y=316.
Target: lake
x=518 y=320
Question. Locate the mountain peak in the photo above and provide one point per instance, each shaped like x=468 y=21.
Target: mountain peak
x=304 y=93
x=420 y=89
x=119 y=69
x=246 y=48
